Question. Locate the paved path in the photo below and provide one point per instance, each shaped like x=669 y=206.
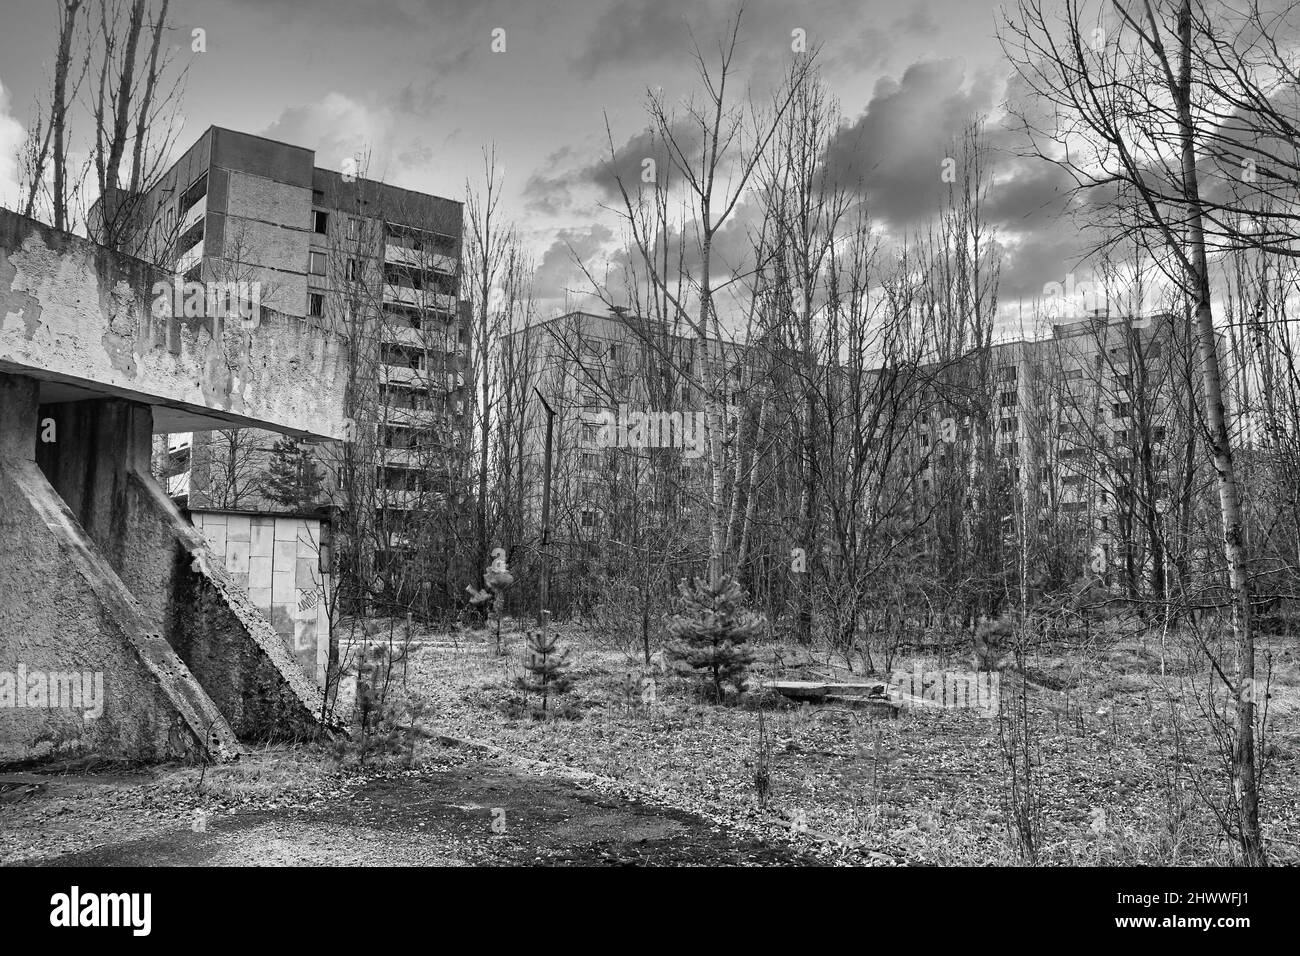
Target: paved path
x=472 y=815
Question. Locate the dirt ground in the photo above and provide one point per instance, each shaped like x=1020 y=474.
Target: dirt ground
x=458 y=811
x=1119 y=780
x=618 y=775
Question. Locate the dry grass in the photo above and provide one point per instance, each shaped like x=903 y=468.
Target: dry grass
x=928 y=787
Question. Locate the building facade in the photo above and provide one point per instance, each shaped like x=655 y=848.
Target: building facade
x=256 y=224
x=1090 y=425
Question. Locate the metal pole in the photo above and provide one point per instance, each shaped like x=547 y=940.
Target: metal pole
x=544 y=595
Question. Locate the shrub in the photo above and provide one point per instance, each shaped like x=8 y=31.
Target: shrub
x=547 y=667
x=710 y=633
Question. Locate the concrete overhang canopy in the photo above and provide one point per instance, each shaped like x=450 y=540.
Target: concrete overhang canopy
x=89 y=323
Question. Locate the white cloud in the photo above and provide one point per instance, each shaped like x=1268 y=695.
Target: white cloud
x=337 y=127
x=11 y=141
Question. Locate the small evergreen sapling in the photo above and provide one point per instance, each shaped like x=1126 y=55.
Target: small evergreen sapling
x=710 y=632
x=547 y=667
x=292 y=480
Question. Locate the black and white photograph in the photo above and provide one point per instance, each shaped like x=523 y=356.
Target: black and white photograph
x=691 y=434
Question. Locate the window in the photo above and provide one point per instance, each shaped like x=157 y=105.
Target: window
x=1126 y=381
x=589 y=519
x=1007 y=425
x=1008 y=400
x=1121 y=410
x=1073 y=373
x=354 y=227
x=1154 y=350
x=318 y=197
x=320 y=222
x=316 y=304
x=1158 y=433
x=316 y=263
x=1006 y=373
x=354 y=270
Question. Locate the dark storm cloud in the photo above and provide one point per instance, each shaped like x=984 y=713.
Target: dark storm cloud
x=628 y=163
x=567 y=175
x=894 y=152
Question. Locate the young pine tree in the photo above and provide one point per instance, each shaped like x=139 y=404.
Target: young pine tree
x=292 y=480
x=547 y=667
x=710 y=632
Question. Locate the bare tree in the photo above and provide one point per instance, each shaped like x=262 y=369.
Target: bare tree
x=714 y=151
x=1124 y=106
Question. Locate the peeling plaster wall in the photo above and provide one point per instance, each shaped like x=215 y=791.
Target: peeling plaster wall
x=53 y=621
x=73 y=310
x=100 y=468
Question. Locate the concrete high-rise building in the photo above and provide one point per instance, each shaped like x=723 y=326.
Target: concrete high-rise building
x=618 y=383
x=1089 y=420
x=371 y=261
x=249 y=227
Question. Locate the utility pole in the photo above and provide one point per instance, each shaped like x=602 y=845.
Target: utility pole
x=544 y=595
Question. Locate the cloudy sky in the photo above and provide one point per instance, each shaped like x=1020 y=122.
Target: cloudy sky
x=418 y=82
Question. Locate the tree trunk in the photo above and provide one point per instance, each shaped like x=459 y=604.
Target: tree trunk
x=1244 y=782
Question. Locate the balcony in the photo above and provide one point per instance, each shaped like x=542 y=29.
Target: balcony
x=193 y=215
x=403 y=500
x=401 y=457
x=413 y=416
x=420 y=298
x=403 y=335
x=191 y=258
x=402 y=375
x=404 y=256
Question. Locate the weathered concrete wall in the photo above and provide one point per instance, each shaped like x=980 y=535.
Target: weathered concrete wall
x=226 y=641
x=99 y=572
x=77 y=314
x=64 y=611
x=100 y=467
